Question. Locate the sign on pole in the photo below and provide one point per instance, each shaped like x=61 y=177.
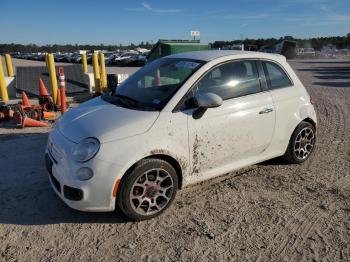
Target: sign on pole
x=195 y=33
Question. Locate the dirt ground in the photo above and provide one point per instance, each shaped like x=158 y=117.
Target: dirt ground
x=267 y=212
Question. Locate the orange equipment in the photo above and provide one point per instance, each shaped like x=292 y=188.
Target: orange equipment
x=49 y=115
x=42 y=88
x=25 y=100
x=29 y=122
x=62 y=88
x=58 y=102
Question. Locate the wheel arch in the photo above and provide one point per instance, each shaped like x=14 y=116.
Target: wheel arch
x=311 y=121
x=308 y=120
x=173 y=162
x=167 y=158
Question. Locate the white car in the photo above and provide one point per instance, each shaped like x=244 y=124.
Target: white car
x=177 y=121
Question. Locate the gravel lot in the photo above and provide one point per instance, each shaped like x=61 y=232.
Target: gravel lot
x=269 y=211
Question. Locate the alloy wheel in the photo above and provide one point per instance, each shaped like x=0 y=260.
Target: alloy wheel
x=151 y=192
x=304 y=143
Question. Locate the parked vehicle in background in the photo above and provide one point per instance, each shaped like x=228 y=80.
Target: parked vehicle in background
x=306 y=52
x=136 y=60
x=287 y=48
x=121 y=59
x=89 y=58
x=111 y=57
x=266 y=49
x=71 y=58
x=179 y=120
x=59 y=57
x=233 y=47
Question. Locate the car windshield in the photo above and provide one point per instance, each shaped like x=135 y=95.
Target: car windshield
x=153 y=86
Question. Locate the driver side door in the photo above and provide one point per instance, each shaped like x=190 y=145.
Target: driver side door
x=240 y=129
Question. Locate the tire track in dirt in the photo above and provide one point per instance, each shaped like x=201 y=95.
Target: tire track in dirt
x=284 y=236
x=297 y=229
x=343 y=182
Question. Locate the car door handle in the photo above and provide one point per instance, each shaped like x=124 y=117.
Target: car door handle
x=266 y=111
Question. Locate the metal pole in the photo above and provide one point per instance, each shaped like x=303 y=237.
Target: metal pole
x=84 y=63
x=9 y=65
x=96 y=72
x=47 y=59
x=53 y=77
x=103 y=72
x=3 y=87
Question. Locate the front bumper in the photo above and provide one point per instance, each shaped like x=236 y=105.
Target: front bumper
x=96 y=194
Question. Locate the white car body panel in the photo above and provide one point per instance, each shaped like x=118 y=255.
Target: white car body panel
x=97 y=118
x=226 y=138
x=228 y=133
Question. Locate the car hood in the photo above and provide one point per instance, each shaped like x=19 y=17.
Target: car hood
x=105 y=121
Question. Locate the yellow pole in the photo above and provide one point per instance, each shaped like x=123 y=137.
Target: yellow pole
x=103 y=71
x=9 y=65
x=3 y=87
x=96 y=72
x=53 y=77
x=84 y=63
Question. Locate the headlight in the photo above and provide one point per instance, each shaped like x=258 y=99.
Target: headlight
x=86 y=149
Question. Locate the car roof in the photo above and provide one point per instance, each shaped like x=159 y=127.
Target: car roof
x=210 y=55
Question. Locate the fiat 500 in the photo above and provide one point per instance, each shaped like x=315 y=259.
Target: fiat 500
x=177 y=121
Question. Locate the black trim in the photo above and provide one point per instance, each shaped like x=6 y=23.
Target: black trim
x=72 y=193
x=55 y=183
x=263 y=81
x=48 y=164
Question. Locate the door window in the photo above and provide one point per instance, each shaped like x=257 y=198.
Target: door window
x=276 y=75
x=230 y=80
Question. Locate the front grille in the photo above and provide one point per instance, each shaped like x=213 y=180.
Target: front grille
x=55 y=182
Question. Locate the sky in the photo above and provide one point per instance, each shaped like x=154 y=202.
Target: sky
x=124 y=22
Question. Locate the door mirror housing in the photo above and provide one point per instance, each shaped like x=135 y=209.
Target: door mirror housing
x=205 y=101
x=208 y=100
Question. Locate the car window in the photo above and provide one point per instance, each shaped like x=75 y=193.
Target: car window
x=276 y=75
x=230 y=80
x=154 y=84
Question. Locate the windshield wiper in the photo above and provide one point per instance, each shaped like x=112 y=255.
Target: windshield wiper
x=127 y=98
x=130 y=102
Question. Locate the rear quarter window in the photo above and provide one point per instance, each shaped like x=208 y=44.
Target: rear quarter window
x=276 y=76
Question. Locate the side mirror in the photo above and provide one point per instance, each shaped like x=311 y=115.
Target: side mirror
x=205 y=101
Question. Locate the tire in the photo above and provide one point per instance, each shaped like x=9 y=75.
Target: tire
x=300 y=149
x=148 y=189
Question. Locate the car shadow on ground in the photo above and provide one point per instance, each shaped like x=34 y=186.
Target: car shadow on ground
x=335 y=76
x=26 y=196
x=278 y=161
x=328 y=61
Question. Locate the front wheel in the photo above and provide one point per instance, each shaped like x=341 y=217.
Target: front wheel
x=301 y=144
x=148 y=189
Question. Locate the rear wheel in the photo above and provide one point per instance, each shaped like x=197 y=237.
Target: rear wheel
x=301 y=144
x=148 y=189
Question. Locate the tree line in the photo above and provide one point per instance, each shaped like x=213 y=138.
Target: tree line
x=317 y=42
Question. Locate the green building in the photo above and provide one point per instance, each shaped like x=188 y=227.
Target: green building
x=170 y=47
